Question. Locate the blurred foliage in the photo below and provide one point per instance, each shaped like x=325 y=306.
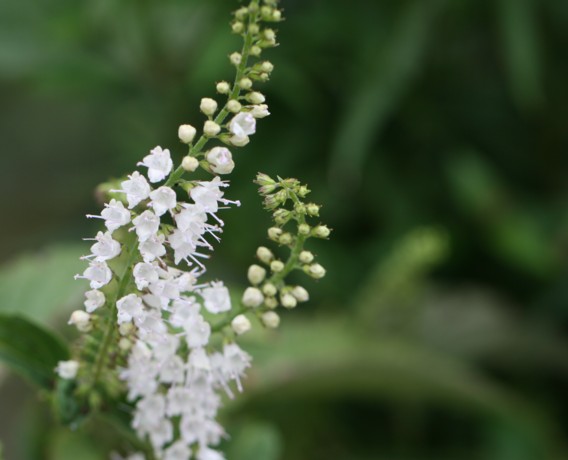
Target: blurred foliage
x=435 y=133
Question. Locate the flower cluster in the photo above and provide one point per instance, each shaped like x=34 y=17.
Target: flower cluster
x=148 y=312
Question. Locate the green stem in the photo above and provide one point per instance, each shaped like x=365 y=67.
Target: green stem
x=125 y=279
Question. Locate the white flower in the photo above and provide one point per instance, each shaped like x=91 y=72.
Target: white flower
x=197 y=330
x=163 y=199
x=159 y=164
x=270 y=319
x=242 y=124
x=183 y=243
x=191 y=219
x=300 y=294
x=252 y=297
x=208 y=194
x=288 y=301
x=130 y=307
x=240 y=324
x=177 y=451
x=115 y=215
x=67 y=369
x=216 y=298
x=97 y=273
x=93 y=299
x=105 y=248
x=152 y=248
x=136 y=189
x=146 y=225
x=209 y=454
x=221 y=160
x=144 y=274
x=81 y=320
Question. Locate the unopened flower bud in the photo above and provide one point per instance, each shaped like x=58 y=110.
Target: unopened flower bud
x=270 y=319
x=267 y=66
x=304 y=229
x=67 y=369
x=241 y=13
x=126 y=328
x=223 y=87
x=254 y=29
x=260 y=111
x=321 y=231
x=245 y=83
x=285 y=238
x=238 y=27
x=269 y=34
x=303 y=191
x=300 y=294
x=208 y=106
x=288 y=301
x=276 y=266
x=221 y=160
x=281 y=216
x=124 y=344
x=276 y=15
x=256 y=274
x=186 y=133
x=269 y=289
x=239 y=141
x=189 y=164
x=235 y=58
x=271 y=302
x=274 y=233
x=234 y=106
x=264 y=254
x=306 y=257
x=255 y=50
x=240 y=324
x=252 y=297
x=315 y=271
x=255 y=97
x=81 y=320
x=313 y=209
x=211 y=128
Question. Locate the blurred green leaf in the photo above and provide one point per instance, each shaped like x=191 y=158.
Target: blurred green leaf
x=255 y=440
x=41 y=285
x=30 y=350
x=69 y=445
x=521 y=50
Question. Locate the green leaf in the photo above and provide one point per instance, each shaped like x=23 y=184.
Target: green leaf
x=30 y=350
x=255 y=440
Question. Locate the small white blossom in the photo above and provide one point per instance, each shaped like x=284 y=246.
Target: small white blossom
x=67 y=369
x=81 y=320
x=216 y=298
x=152 y=248
x=189 y=163
x=105 y=248
x=270 y=319
x=144 y=274
x=94 y=299
x=115 y=215
x=159 y=164
x=243 y=124
x=146 y=225
x=300 y=294
x=136 y=189
x=288 y=301
x=97 y=273
x=210 y=128
x=208 y=106
x=256 y=274
x=239 y=141
x=197 y=331
x=130 y=307
x=163 y=200
x=221 y=160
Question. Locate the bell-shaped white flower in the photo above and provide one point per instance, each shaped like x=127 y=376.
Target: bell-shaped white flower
x=159 y=164
x=130 y=307
x=216 y=298
x=97 y=273
x=136 y=189
x=163 y=200
x=115 y=215
x=197 y=331
x=144 y=274
x=105 y=248
x=152 y=248
x=242 y=124
x=67 y=369
x=94 y=299
x=146 y=225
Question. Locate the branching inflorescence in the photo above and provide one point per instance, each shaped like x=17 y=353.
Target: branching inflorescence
x=152 y=328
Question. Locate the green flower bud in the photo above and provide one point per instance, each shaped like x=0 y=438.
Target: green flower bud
x=274 y=233
x=313 y=209
x=316 y=271
x=306 y=257
x=321 y=231
x=271 y=302
x=270 y=319
x=277 y=266
x=245 y=83
x=255 y=50
x=238 y=27
x=285 y=238
x=281 y=216
x=269 y=289
x=223 y=87
x=304 y=229
x=264 y=254
x=234 y=106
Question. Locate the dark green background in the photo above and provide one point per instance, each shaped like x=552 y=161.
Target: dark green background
x=435 y=134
